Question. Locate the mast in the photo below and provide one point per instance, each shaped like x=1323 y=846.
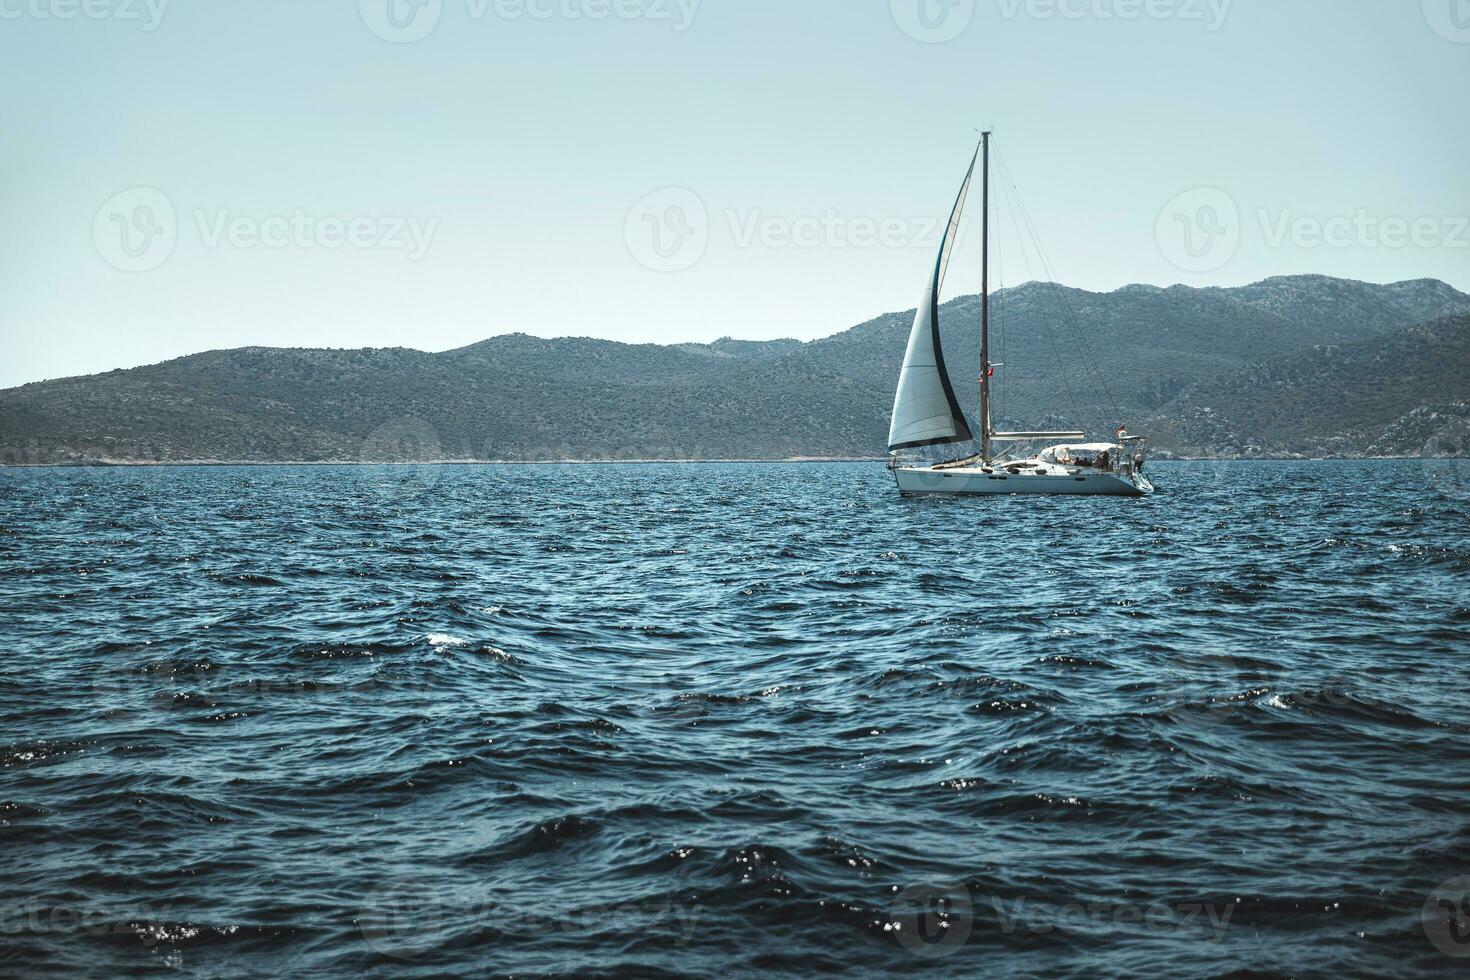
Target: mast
x=985 y=304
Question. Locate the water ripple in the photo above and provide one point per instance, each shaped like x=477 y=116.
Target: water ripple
x=737 y=719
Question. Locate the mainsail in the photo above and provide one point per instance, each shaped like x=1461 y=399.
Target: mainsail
x=925 y=412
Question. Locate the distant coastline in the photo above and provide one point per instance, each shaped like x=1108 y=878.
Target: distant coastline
x=201 y=463
x=1273 y=370
x=109 y=463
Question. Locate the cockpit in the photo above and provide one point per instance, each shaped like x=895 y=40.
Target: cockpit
x=1099 y=455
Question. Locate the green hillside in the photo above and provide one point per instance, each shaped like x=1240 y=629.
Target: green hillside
x=1305 y=364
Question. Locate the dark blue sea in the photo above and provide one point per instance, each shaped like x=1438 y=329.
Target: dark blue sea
x=733 y=720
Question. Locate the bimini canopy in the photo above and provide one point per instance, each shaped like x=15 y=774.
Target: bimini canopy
x=1078 y=453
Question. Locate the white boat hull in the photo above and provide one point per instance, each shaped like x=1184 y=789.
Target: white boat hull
x=974 y=480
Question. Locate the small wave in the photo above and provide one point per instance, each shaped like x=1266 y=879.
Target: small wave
x=736 y=727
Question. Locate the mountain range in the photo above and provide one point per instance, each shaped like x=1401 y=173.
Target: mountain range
x=1291 y=366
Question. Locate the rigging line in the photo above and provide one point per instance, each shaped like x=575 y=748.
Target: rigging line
x=1069 y=315
x=1000 y=323
x=1066 y=381
x=1002 y=303
x=1071 y=319
x=1072 y=399
x=1072 y=322
x=986 y=227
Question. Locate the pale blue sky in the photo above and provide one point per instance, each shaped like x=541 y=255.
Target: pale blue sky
x=516 y=149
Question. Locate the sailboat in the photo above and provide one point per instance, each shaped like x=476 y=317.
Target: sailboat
x=926 y=413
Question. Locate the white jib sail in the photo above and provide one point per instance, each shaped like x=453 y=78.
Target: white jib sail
x=925 y=412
